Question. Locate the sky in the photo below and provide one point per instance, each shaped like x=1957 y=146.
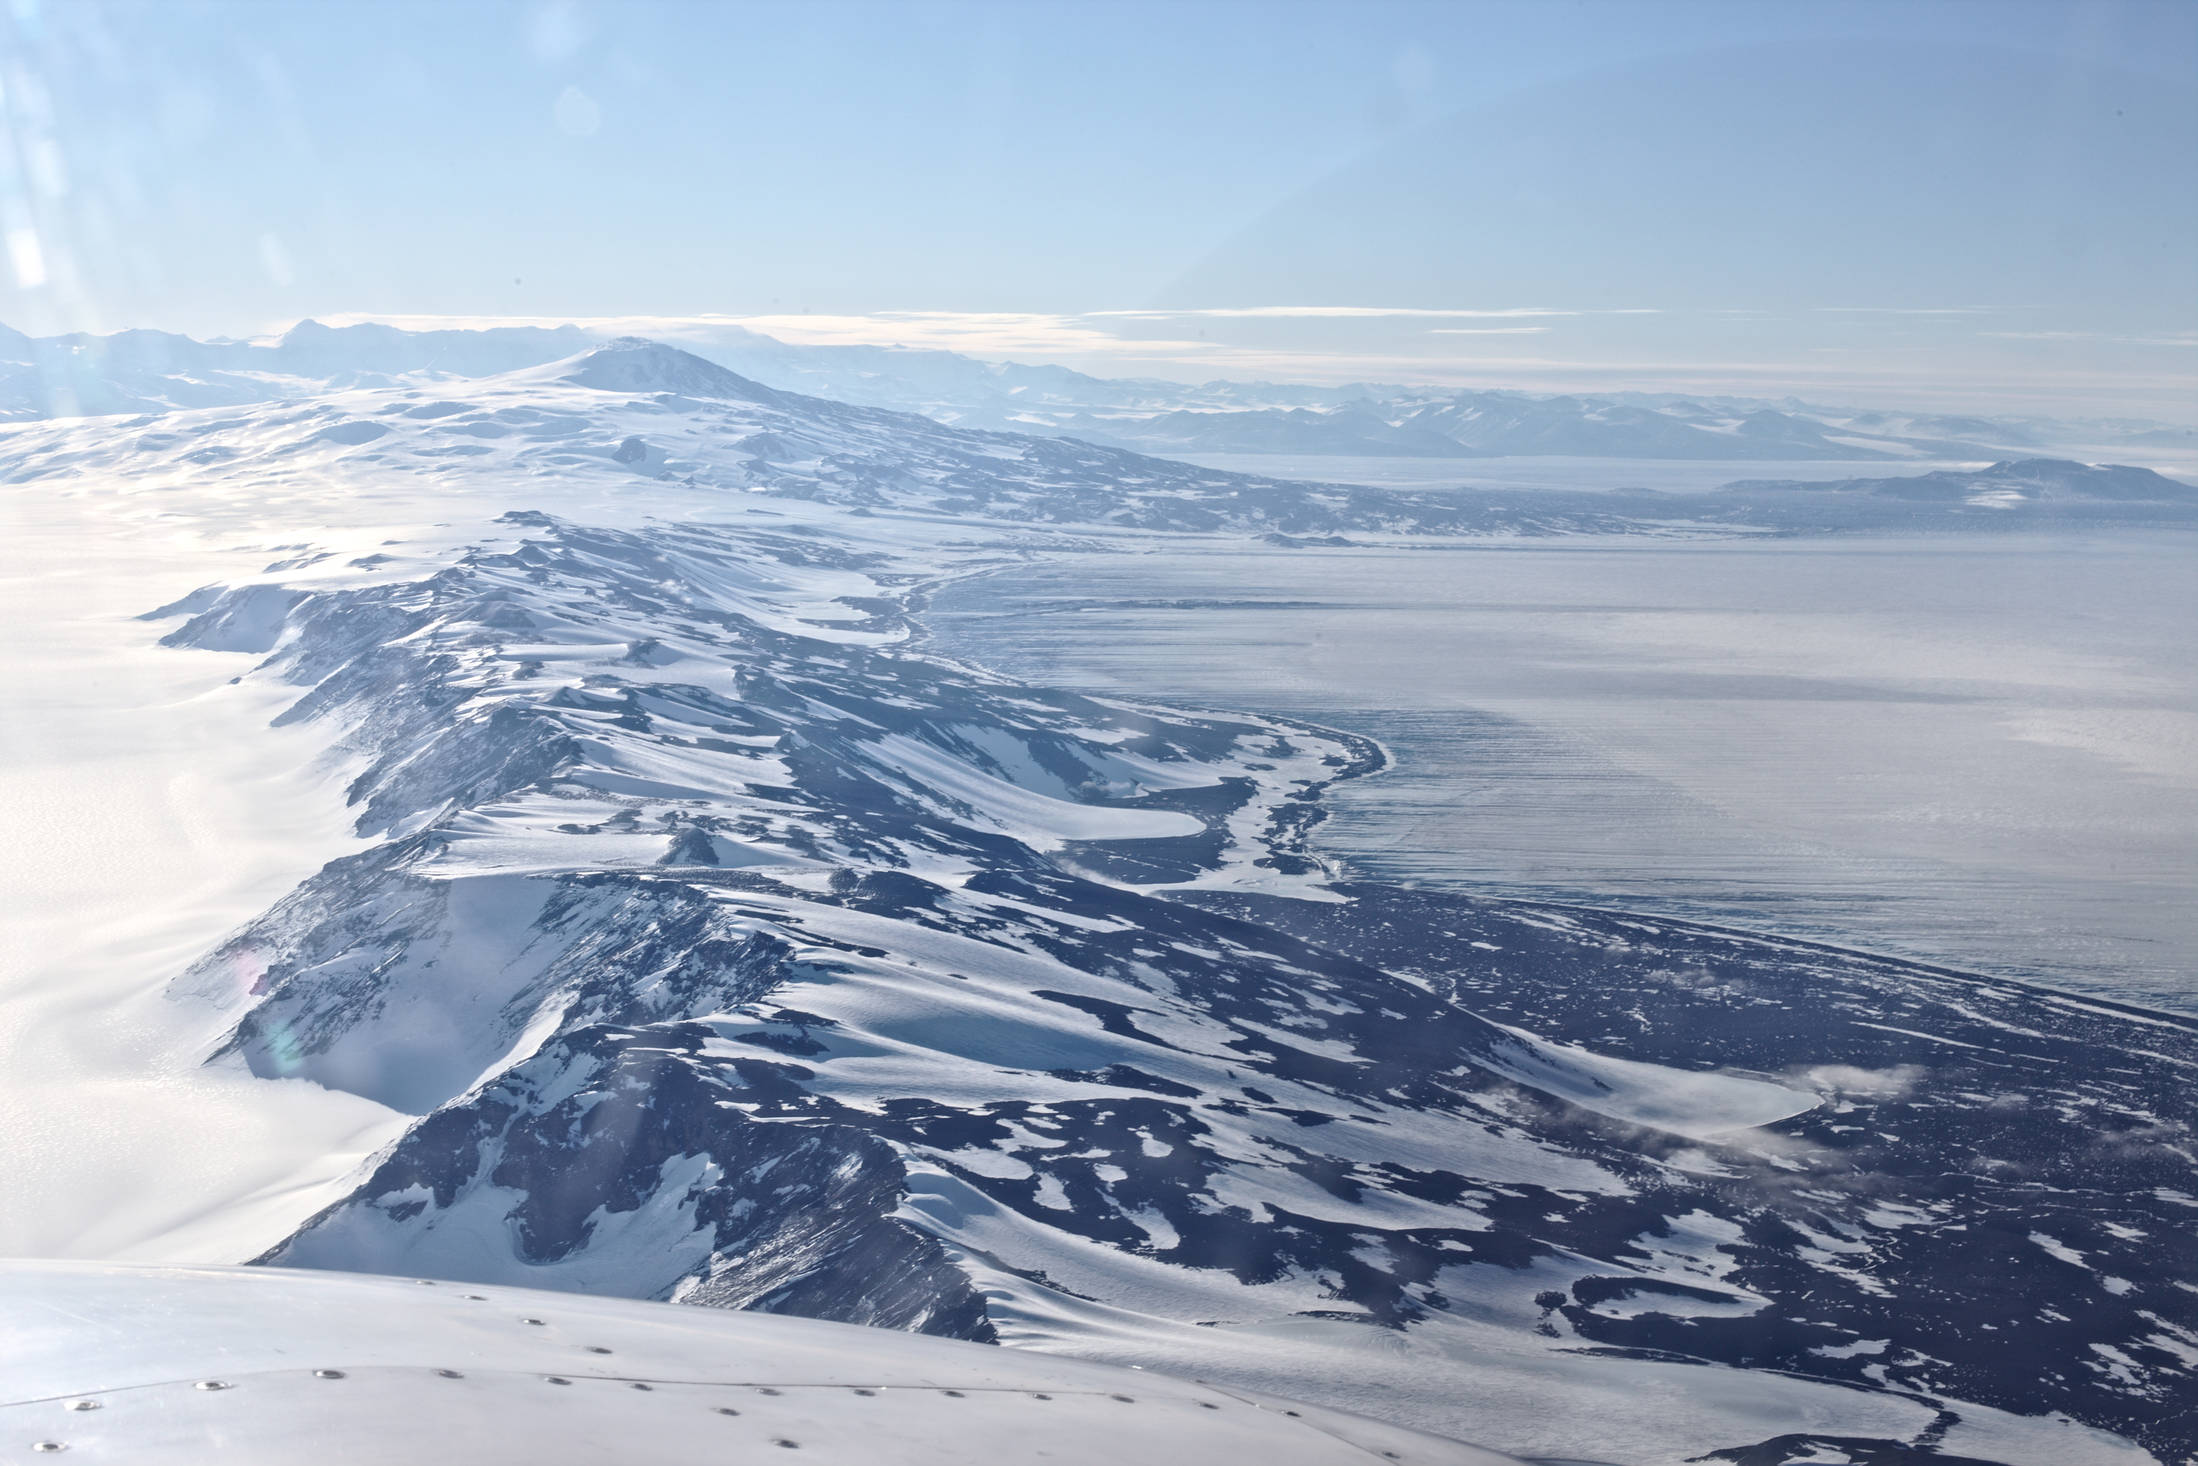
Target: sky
x=1970 y=202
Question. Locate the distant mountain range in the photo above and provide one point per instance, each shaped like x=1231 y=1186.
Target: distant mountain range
x=152 y=371
x=713 y=429
x=81 y=375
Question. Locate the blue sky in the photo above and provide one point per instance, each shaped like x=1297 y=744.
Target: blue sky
x=1006 y=177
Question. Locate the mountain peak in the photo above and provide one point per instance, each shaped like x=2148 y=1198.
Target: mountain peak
x=319 y=335
x=637 y=364
x=2091 y=480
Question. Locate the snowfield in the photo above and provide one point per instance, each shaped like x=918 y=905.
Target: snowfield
x=595 y=885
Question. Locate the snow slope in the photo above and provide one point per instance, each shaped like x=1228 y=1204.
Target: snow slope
x=360 y=1371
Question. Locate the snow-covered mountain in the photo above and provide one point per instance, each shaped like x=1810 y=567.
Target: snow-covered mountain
x=145 y=371
x=2025 y=493
x=718 y=429
x=713 y=941
x=709 y=429
x=2018 y=484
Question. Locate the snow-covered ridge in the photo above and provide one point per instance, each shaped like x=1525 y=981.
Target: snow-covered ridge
x=721 y=954
x=719 y=945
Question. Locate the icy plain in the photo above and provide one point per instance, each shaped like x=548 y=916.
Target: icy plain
x=1977 y=750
